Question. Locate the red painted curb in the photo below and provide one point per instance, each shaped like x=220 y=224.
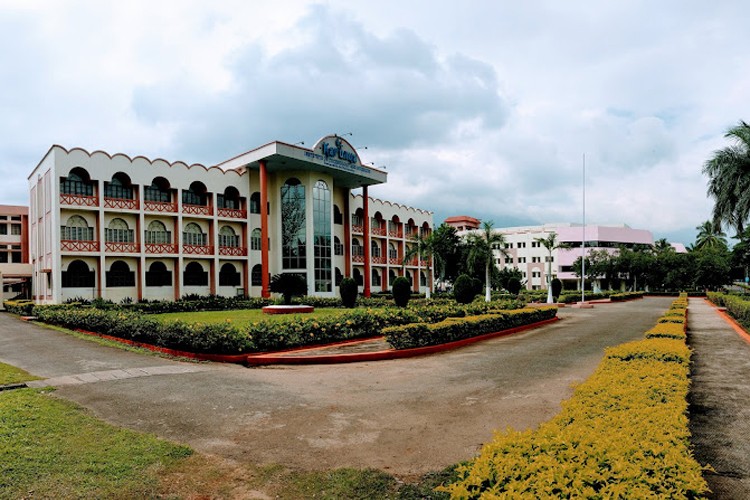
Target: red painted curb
x=274 y=359
x=731 y=321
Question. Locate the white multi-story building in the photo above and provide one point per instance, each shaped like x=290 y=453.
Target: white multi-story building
x=531 y=258
x=117 y=227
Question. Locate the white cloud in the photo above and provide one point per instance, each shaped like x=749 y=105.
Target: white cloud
x=483 y=108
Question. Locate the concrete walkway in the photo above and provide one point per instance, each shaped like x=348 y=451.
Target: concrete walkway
x=407 y=416
x=720 y=401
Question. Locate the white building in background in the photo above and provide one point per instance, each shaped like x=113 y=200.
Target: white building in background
x=530 y=257
x=117 y=227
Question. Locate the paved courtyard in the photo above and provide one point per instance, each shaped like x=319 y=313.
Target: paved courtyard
x=406 y=416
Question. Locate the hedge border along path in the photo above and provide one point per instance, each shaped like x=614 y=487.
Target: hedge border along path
x=624 y=433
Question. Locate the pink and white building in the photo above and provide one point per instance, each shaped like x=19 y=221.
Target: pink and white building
x=117 y=227
x=531 y=258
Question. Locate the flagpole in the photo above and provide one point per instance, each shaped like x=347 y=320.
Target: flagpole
x=583 y=237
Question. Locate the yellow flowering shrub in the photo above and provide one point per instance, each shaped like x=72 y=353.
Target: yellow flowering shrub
x=623 y=434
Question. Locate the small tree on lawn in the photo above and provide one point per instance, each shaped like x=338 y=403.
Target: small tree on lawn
x=401 y=291
x=481 y=244
x=348 y=290
x=550 y=243
x=289 y=285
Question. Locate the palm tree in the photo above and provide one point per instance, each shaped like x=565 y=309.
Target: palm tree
x=481 y=244
x=709 y=236
x=425 y=248
x=729 y=179
x=662 y=246
x=550 y=243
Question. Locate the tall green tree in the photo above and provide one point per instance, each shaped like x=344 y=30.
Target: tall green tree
x=448 y=252
x=728 y=172
x=481 y=244
x=425 y=247
x=710 y=236
x=550 y=243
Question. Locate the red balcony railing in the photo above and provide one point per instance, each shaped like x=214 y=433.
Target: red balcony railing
x=233 y=251
x=121 y=247
x=358 y=258
x=378 y=260
x=196 y=209
x=161 y=248
x=79 y=200
x=357 y=228
x=232 y=213
x=395 y=233
x=378 y=230
x=394 y=261
x=198 y=249
x=121 y=203
x=79 y=246
x=160 y=206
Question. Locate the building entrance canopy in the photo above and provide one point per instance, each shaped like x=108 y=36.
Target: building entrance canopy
x=331 y=154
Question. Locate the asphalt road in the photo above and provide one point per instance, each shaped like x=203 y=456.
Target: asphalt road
x=406 y=416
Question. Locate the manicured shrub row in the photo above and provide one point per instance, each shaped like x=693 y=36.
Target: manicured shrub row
x=618 y=297
x=230 y=338
x=737 y=306
x=623 y=434
x=571 y=297
x=453 y=328
x=20 y=307
x=667 y=330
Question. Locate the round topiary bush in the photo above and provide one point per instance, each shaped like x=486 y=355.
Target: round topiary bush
x=514 y=286
x=401 y=290
x=348 y=291
x=289 y=285
x=557 y=286
x=463 y=289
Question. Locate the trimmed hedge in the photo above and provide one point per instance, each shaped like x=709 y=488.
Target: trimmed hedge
x=623 y=434
x=737 y=306
x=453 y=329
x=231 y=338
x=618 y=297
x=20 y=307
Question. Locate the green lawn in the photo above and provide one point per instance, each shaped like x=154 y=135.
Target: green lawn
x=247 y=316
x=12 y=375
x=52 y=449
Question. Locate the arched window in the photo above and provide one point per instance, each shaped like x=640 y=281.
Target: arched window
x=118 y=232
x=422 y=278
x=338 y=248
x=293 y=225
x=228 y=238
x=229 y=199
x=255 y=203
x=338 y=217
x=158 y=275
x=357 y=220
x=394 y=227
x=376 y=278
x=392 y=251
x=391 y=277
x=119 y=187
x=157 y=233
x=322 y=237
x=374 y=249
x=196 y=195
x=76 y=229
x=78 y=275
x=193 y=235
x=256 y=242
x=228 y=275
x=358 y=277
x=78 y=182
x=256 y=276
x=194 y=275
x=120 y=275
x=158 y=191
x=339 y=277
x=357 y=250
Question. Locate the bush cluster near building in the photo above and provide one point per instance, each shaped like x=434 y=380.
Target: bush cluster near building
x=137 y=323
x=623 y=434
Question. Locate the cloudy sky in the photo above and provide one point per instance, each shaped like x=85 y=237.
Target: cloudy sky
x=484 y=108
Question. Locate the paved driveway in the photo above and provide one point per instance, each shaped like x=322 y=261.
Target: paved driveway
x=406 y=416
